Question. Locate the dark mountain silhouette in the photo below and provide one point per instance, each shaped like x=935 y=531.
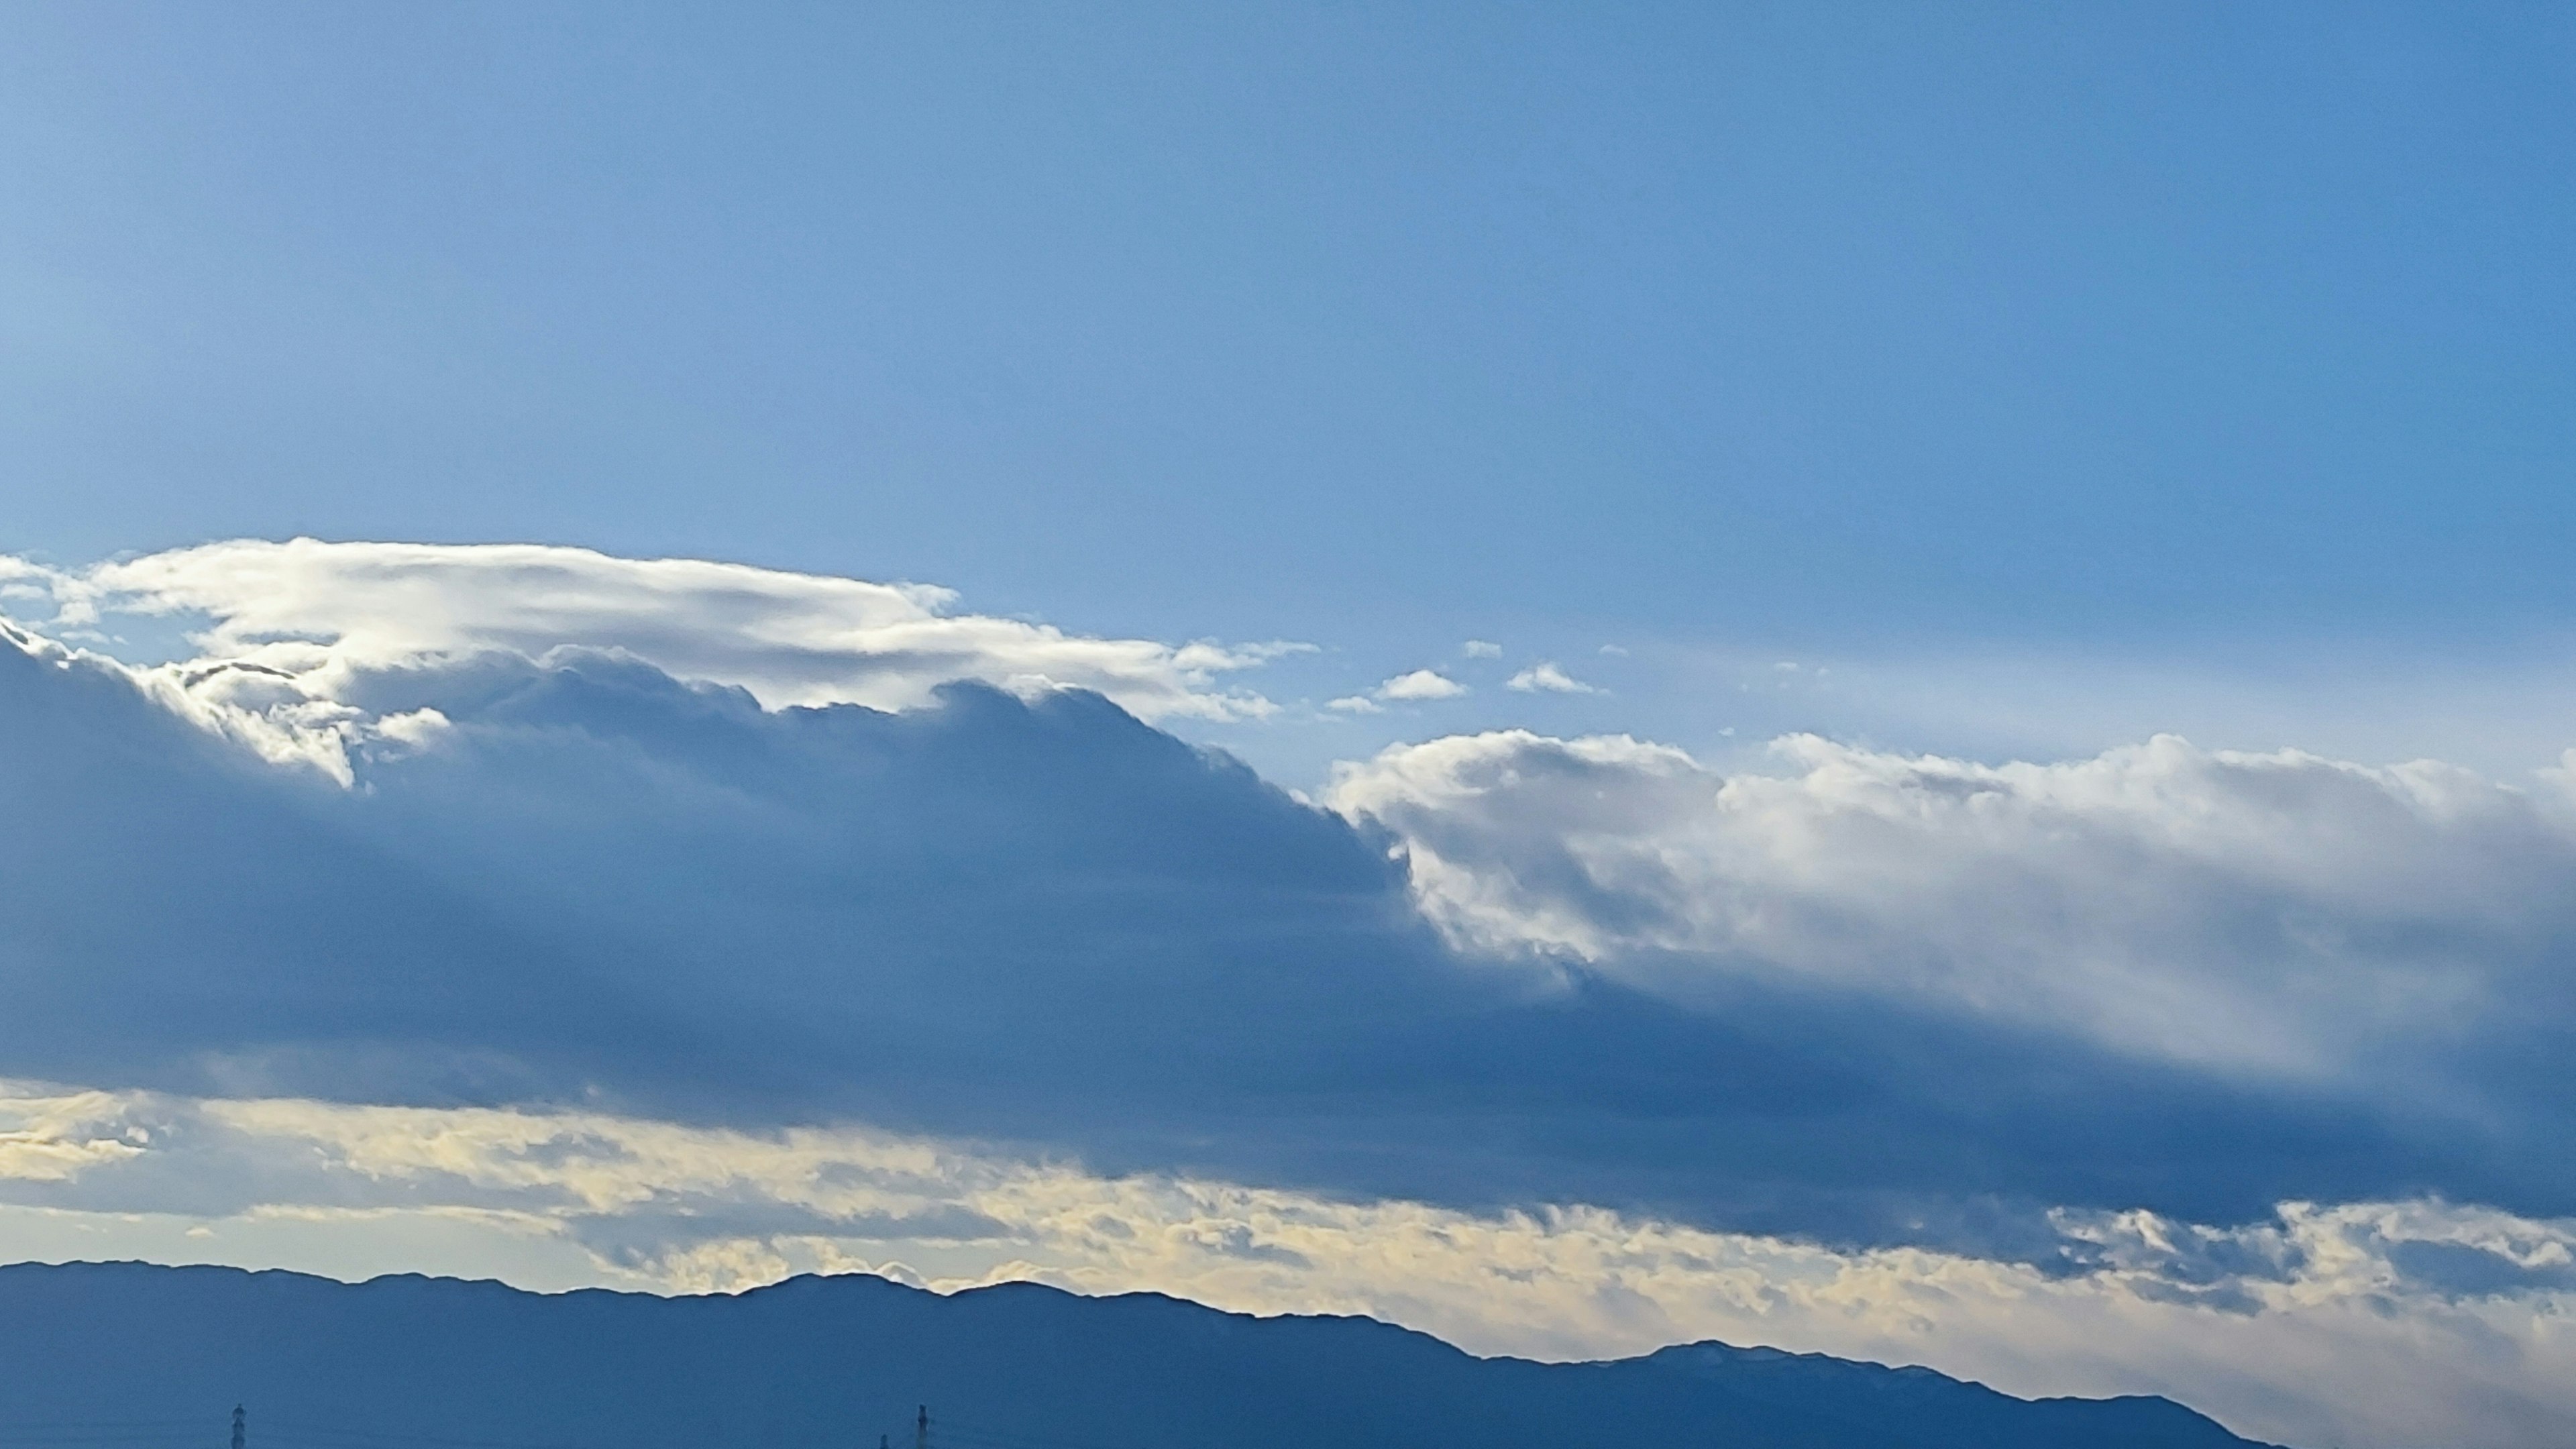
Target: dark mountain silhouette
x=131 y=1356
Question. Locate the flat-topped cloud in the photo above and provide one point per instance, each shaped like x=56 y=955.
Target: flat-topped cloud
x=284 y=632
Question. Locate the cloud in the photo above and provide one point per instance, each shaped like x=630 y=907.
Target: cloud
x=2235 y=1075
x=594 y=864
x=2088 y=1023
x=1421 y=684
x=286 y=633
x=2373 y=1323
x=1481 y=649
x=1355 y=704
x=2261 y=912
x=1548 y=677
x=1034 y=920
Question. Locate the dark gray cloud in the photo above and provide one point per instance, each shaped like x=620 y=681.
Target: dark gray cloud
x=1044 y=923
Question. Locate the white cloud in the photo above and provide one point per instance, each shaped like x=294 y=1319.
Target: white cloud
x=2278 y=911
x=1548 y=677
x=284 y=628
x=1355 y=704
x=588 y=859
x=2260 y=914
x=1421 y=684
x=2348 y=1323
x=1481 y=649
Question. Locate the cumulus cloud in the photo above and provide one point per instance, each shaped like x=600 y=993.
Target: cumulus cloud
x=2040 y=1024
x=287 y=633
x=1481 y=649
x=1421 y=684
x=2344 y=1323
x=2275 y=912
x=1547 y=677
x=1027 y=919
x=592 y=857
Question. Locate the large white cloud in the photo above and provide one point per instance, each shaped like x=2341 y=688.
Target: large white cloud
x=1036 y=919
x=281 y=630
x=2365 y=1324
x=997 y=917
x=2273 y=911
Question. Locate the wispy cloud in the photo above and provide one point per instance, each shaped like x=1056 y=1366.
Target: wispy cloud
x=1548 y=678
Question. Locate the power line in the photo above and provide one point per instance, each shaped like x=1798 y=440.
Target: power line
x=164 y=1434
x=109 y=1437
x=995 y=1439
x=97 y=1434
x=969 y=1436
x=314 y=1431
x=179 y=1423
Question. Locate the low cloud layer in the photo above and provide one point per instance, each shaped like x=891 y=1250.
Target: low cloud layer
x=2365 y=1324
x=563 y=838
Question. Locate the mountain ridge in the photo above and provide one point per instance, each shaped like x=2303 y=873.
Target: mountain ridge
x=833 y=1362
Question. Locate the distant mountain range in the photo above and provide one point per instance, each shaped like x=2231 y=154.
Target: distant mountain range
x=130 y=1356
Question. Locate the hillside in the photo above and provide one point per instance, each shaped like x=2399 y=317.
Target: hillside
x=129 y=1356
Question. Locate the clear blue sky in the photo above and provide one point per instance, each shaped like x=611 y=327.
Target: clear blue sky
x=2157 y=332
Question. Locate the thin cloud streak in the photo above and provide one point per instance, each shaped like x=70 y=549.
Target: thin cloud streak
x=2342 y=1324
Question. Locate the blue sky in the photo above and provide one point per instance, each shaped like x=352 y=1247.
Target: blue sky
x=2206 y=339
x=1913 y=656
